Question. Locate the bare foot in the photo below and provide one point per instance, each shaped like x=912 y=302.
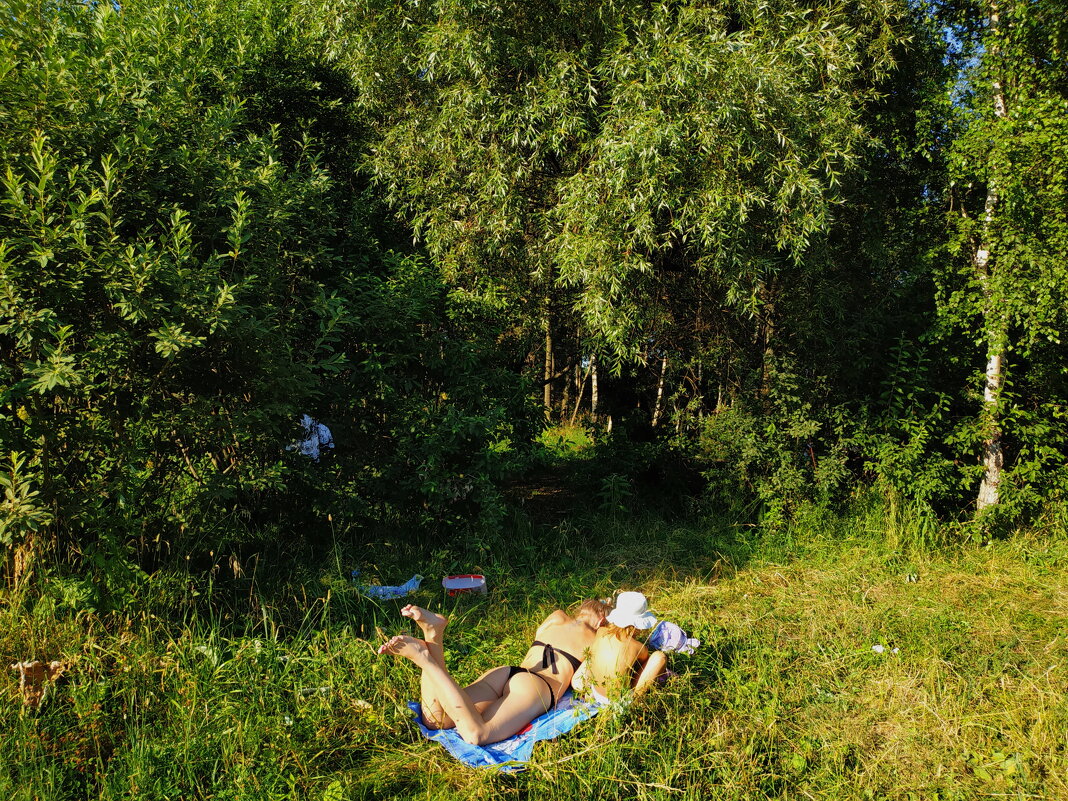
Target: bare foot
x=408 y=647
x=432 y=624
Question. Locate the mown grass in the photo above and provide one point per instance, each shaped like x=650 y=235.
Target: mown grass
x=277 y=692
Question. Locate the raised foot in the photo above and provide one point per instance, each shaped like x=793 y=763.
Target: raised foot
x=431 y=623
x=408 y=647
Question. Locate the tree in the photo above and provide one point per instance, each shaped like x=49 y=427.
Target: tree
x=160 y=318
x=1009 y=167
x=189 y=258
x=618 y=160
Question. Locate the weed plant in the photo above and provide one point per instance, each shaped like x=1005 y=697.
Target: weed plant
x=833 y=666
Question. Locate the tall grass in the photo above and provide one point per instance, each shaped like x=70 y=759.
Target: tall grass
x=275 y=690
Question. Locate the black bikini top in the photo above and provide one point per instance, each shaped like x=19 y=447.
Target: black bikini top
x=548 y=657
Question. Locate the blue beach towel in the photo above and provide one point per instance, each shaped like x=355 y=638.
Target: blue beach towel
x=509 y=755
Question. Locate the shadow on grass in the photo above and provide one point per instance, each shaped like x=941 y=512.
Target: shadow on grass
x=271 y=662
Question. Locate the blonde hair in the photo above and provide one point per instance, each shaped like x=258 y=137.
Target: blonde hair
x=621 y=632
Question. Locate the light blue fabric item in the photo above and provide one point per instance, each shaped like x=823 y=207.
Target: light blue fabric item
x=511 y=754
x=669 y=637
x=315 y=437
x=389 y=591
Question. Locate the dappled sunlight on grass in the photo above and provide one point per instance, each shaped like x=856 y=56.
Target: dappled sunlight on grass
x=787 y=696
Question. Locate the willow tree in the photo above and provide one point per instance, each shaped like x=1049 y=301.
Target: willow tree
x=617 y=158
x=722 y=144
x=1010 y=167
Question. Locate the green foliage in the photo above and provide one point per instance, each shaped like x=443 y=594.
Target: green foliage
x=722 y=141
x=906 y=444
x=1008 y=169
x=155 y=281
x=733 y=192
x=713 y=139
x=188 y=260
x=613 y=496
x=432 y=406
x=783 y=452
x=563 y=441
x=728 y=218
x=22 y=513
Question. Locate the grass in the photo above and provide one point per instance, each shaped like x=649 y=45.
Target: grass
x=278 y=693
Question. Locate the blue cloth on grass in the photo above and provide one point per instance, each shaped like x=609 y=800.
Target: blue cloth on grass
x=509 y=755
x=388 y=592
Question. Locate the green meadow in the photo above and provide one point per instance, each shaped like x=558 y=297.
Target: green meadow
x=271 y=688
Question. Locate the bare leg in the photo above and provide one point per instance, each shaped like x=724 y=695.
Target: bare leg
x=523 y=698
x=483 y=692
x=433 y=628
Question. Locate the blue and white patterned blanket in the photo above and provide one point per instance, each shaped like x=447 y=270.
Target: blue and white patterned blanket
x=511 y=754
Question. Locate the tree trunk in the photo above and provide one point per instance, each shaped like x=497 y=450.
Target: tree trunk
x=565 y=393
x=593 y=388
x=658 y=407
x=579 y=393
x=548 y=374
x=994 y=322
x=992 y=455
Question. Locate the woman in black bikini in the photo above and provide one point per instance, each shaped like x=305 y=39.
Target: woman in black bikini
x=505 y=699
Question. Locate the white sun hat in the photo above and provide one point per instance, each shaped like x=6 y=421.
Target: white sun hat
x=632 y=610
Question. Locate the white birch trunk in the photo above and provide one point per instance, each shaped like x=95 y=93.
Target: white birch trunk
x=593 y=388
x=994 y=322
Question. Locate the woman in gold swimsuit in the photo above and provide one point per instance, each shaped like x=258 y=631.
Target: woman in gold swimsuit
x=504 y=699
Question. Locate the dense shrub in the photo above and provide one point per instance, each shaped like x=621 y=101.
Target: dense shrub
x=188 y=260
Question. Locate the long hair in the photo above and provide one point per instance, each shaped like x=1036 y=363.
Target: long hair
x=622 y=632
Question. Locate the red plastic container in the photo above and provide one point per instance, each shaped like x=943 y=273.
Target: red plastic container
x=465 y=583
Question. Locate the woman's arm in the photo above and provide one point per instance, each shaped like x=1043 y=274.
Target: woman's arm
x=655 y=664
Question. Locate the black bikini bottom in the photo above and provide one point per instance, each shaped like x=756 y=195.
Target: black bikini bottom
x=513 y=669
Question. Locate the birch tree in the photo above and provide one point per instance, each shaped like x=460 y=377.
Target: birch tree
x=992 y=457
x=1009 y=168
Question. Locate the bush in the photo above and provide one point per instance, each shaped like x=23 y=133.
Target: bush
x=188 y=261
